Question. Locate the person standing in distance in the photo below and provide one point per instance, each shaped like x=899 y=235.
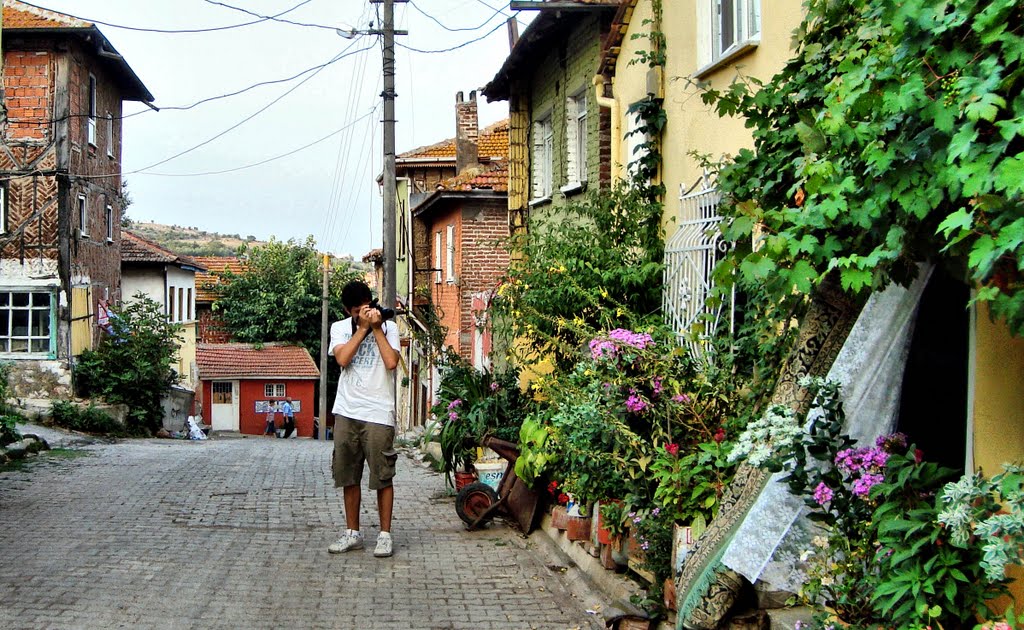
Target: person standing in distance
x=366 y=348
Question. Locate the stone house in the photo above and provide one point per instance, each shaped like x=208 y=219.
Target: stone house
x=559 y=131
x=60 y=190
x=169 y=279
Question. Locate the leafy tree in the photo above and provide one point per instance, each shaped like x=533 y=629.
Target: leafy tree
x=893 y=136
x=278 y=296
x=134 y=363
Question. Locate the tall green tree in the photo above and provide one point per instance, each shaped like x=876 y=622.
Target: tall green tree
x=278 y=297
x=894 y=135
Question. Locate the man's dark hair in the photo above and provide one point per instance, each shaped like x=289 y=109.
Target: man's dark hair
x=355 y=293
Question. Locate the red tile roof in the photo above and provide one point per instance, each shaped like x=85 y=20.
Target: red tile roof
x=20 y=15
x=243 y=360
x=206 y=282
x=136 y=249
x=492 y=145
x=494 y=178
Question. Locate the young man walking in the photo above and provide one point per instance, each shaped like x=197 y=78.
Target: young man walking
x=366 y=348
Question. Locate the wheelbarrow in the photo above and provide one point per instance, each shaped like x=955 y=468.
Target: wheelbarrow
x=478 y=503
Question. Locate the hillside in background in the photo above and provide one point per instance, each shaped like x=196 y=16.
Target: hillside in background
x=191 y=241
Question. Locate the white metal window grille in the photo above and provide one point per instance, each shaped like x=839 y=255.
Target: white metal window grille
x=576 y=137
x=437 y=257
x=26 y=322
x=690 y=257
x=221 y=393
x=83 y=216
x=91 y=120
x=543 y=156
x=273 y=390
x=450 y=255
x=735 y=23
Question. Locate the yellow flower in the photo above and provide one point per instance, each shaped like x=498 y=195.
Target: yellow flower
x=619 y=312
x=604 y=293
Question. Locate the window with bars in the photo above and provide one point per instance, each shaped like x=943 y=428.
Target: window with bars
x=274 y=390
x=26 y=322
x=221 y=393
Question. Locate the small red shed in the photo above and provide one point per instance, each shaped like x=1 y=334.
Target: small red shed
x=239 y=381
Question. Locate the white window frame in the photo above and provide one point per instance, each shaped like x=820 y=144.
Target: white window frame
x=726 y=29
x=110 y=135
x=90 y=124
x=543 y=158
x=450 y=255
x=437 y=257
x=110 y=223
x=170 y=304
x=3 y=208
x=274 y=390
x=83 y=215
x=576 y=141
x=7 y=336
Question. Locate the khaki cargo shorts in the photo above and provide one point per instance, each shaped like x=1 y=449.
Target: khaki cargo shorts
x=356 y=441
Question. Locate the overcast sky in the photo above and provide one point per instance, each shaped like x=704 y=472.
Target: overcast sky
x=327 y=190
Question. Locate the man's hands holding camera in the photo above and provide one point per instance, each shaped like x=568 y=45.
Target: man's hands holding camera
x=368 y=317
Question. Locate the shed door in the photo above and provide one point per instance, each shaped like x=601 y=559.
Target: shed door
x=224 y=406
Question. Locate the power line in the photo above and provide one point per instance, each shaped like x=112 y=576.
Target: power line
x=449 y=28
x=173 y=31
x=462 y=45
x=271 y=159
x=270 y=17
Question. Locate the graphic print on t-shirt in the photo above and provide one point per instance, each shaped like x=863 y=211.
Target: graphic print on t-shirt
x=365 y=359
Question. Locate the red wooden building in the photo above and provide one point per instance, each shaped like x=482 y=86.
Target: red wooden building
x=238 y=381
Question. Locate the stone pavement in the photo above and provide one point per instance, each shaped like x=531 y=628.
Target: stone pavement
x=233 y=533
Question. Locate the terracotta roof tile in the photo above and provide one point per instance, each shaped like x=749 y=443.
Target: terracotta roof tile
x=494 y=178
x=20 y=15
x=136 y=249
x=493 y=145
x=206 y=281
x=243 y=360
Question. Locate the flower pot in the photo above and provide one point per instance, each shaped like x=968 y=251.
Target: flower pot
x=668 y=594
x=604 y=536
x=559 y=517
x=463 y=479
x=579 y=528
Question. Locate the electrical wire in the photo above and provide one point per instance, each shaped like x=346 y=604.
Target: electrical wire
x=172 y=31
x=497 y=12
x=462 y=45
x=271 y=159
x=270 y=17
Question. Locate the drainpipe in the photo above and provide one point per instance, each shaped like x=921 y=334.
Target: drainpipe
x=613 y=105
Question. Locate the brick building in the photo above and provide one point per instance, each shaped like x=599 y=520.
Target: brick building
x=60 y=183
x=211 y=328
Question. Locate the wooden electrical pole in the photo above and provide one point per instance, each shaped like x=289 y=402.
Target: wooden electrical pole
x=390 y=183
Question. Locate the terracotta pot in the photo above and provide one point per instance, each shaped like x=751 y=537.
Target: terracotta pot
x=668 y=594
x=559 y=517
x=579 y=528
x=463 y=479
x=604 y=536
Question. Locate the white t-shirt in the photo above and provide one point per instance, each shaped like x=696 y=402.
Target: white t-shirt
x=366 y=388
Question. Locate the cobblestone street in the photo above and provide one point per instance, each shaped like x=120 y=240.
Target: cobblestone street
x=233 y=533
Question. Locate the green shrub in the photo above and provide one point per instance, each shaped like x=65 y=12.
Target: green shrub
x=8 y=429
x=89 y=420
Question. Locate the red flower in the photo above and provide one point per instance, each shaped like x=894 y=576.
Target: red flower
x=563 y=499
x=918 y=455
x=552 y=487
x=672 y=449
x=719 y=435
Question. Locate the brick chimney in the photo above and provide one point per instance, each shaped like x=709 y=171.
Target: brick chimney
x=467 y=131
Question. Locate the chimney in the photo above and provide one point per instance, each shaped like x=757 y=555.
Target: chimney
x=467 y=131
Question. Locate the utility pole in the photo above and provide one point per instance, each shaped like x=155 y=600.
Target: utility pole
x=390 y=251
x=324 y=340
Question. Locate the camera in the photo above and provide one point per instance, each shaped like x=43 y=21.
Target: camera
x=385 y=313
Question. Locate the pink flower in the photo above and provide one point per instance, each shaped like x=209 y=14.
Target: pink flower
x=719 y=435
x=635 y=403
x=453 y=404
x=657 y=385
x=494 y=387
x=672 y=449
x=681 y=398
x=453 y=416
x=822 y=494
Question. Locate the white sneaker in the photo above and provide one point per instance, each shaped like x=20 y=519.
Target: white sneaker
x=349 y=540
x=384 y=546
